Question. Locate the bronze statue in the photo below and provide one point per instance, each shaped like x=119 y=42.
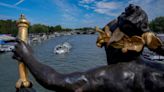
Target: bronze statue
x=120 y=76
x=125 y=37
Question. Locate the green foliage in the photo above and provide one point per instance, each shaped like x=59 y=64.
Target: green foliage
x=67 y=29
x=58 y=28
x=38 y=28
x=157 y=25
x=8 y=27
x=51 y=29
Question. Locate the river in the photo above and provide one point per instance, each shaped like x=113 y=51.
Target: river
x=83 y=56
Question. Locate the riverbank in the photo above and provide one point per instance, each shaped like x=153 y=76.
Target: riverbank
x=39 y=37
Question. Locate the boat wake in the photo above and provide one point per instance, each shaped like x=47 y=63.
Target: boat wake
x=62 y=48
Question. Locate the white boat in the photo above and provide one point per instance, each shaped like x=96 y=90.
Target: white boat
x=152 y=59
x=6 y=37
x=150 y=55
x=6 y=48
x=4 y=45
x=63 y=48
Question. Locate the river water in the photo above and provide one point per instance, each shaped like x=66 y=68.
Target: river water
x=83 y=56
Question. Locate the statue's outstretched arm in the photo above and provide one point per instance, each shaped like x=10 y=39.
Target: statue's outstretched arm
x=115 y=78
x=48 y=77
x=53 y=80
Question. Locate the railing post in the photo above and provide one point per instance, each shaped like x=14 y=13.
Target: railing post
x=22 y=25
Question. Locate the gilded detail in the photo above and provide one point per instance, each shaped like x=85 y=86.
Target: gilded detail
x=134 y=43
x=151 y=40
x=104 y=36
x=23 y=25
x=119 y=40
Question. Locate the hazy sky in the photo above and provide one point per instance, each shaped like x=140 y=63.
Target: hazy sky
x=75 y=13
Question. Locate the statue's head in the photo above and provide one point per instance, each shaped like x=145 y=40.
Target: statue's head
x=131 y=9
x=133 y=21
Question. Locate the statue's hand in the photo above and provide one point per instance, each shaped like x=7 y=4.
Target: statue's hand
x=22 y=50
x=103 y=37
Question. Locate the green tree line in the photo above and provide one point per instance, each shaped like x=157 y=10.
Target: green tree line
x=9 y=27
x=157 y=25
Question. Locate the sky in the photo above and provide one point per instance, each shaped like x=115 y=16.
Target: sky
x=75 y=13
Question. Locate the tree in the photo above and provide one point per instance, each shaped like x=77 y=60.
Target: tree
x=58 y=28
x=8 y=27
x=157 y=25
x=39 y=28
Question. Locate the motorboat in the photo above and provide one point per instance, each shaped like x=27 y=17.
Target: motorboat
x=62 y=48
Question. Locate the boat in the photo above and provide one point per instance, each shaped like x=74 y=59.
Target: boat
x=5 y=45
x=150 y=55
x=6 y=48
x=62 y=48
x=152 y=59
